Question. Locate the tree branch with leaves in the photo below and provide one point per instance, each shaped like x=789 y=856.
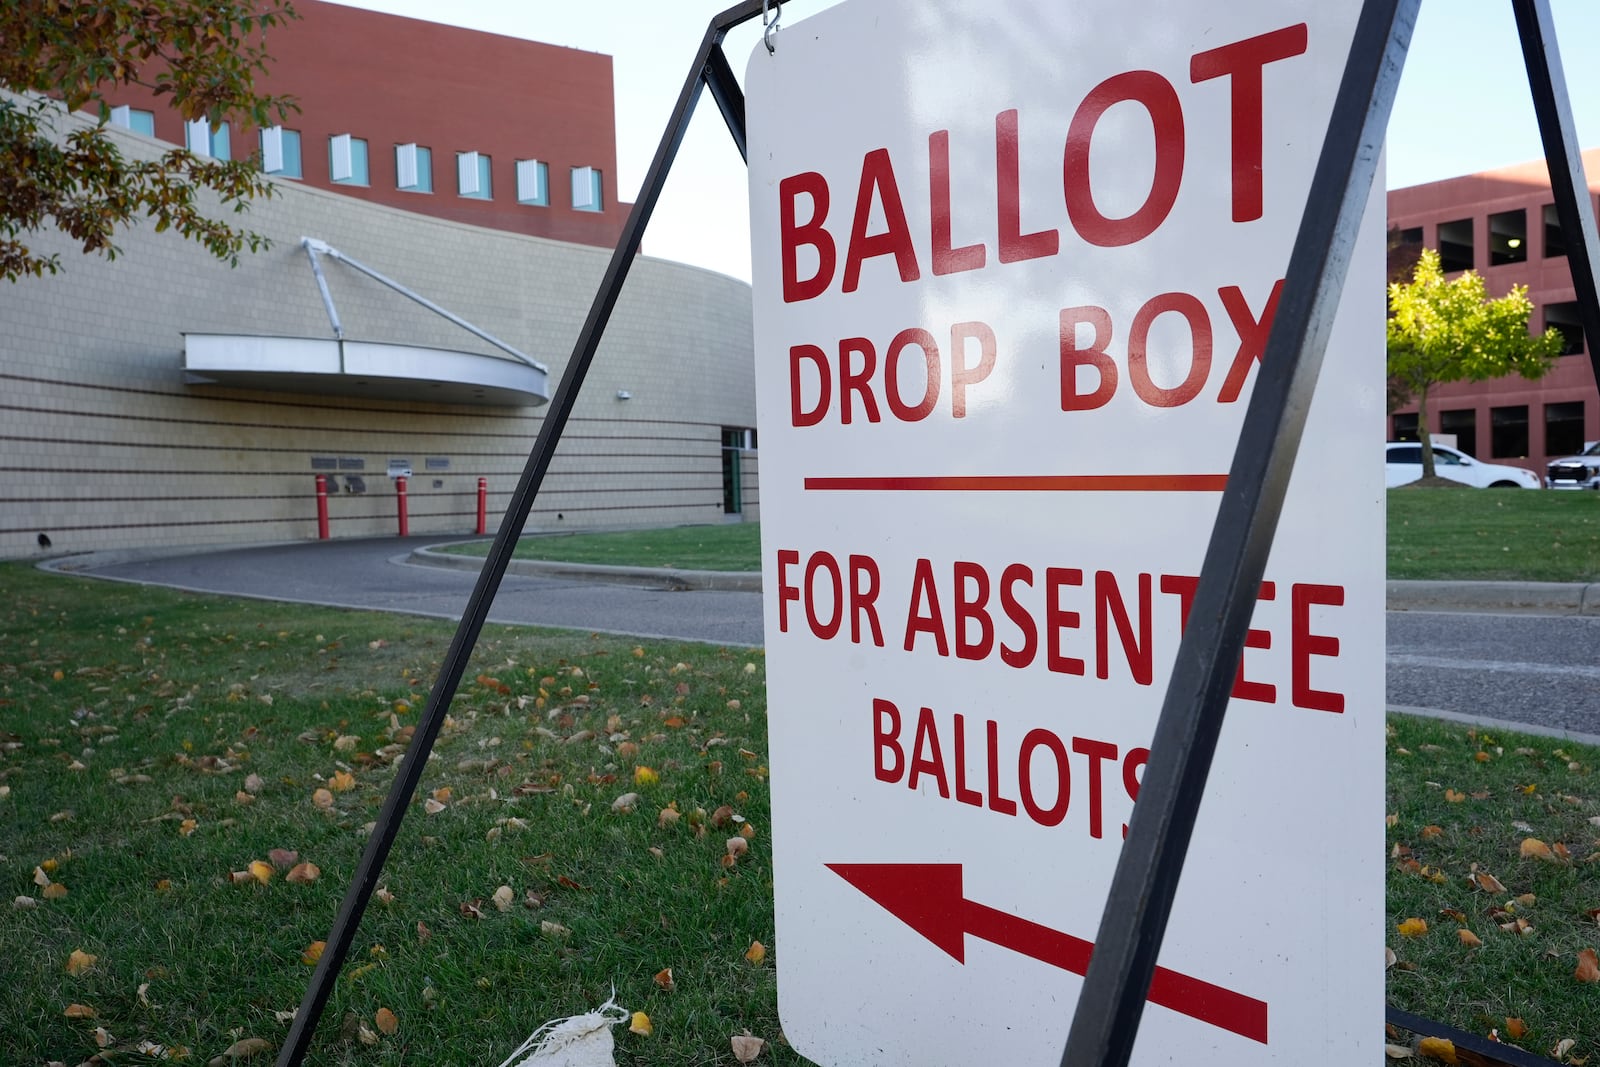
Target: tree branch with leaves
x=203 y=55
x=1449 y=330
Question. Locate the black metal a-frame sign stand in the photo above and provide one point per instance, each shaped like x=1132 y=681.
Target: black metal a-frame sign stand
x=1106 y=1020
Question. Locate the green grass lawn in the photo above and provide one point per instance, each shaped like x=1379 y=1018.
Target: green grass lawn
x=1475 y=535
x=730 y=547
x=153 y=743
x=1523 y=815
x=156 y=748
x=1494 y=534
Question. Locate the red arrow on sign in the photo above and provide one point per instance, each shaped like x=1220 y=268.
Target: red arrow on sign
x=927 y=897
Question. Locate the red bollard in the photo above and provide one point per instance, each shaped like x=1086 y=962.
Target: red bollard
x=322 y=507
x=400 y=491
x=483 y=506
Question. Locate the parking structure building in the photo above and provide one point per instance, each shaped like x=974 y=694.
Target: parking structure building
x=1502 y=223
x=165 y=399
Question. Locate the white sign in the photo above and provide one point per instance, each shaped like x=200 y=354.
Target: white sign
x=1014 y=266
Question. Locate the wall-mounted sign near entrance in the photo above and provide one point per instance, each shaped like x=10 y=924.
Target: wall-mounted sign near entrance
x=1015 y=264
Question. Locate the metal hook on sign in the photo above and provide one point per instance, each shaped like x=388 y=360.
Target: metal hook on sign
x=770 y=14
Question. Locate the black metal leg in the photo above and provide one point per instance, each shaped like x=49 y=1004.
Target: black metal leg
x=1574 y=205
x=1109 y=1008
x=494 y=567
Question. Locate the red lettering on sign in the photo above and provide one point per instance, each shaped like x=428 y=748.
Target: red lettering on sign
x=813 y=355
x=885 y=742
x=963 y=793
x=1052 y=815
x=1015 y=246
x=1057 y=619
x=1252 y=333
x=856 y=381
x=864 y=598
x=877 y=176
x=972 y=609
x=961 y=375
x=1132 y=764
x=926 y=758
x=1160 y=99
x=1108 y=605
x=1303 y=644
x=1073 y=357
x=1244 y=62
x=924 y=616
x=1022 y=655
x=891 y=375
x=1194 y=313
x=946 y=260
x=793 y=236
x=824 y=628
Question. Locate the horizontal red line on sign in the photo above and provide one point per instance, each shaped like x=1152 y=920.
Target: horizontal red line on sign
x=1031 y=483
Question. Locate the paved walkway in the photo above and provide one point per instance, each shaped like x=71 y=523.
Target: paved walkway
x=1489 y=665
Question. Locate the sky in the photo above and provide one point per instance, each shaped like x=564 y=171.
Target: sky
x=1463 y=104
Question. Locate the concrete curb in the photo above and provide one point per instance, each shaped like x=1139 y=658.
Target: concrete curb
x=1510 y=725
x=1512 y=598
x=661 y=577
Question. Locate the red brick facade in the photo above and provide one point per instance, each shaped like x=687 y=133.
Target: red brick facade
x=1507 y=420
x=391 y=81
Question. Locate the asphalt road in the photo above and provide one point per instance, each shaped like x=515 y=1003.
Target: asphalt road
x=1539 y=670
x=375 y=574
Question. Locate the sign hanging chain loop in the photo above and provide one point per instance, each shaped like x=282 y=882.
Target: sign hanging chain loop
x=771 y=12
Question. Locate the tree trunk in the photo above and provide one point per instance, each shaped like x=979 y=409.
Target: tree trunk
x=1424 y=437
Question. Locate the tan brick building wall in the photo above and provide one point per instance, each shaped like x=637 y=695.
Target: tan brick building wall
x=103 y=445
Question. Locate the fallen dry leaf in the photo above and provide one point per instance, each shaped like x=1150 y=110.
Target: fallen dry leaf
x=625 y=803
x=640 y=1024
x=664 y=979
x=383 y=895
x=504 y=897
x=187 y=827
x=342 y=782
x=1533 y=848
x=386 y=1021
x=1588 y=967
x=756 y=953
x=1468 y=938
x=313 y=952
x=80 y=961
x=322 y=799
x=283 y=858
x=303 y=873
x=432 y=806
x=79 y=1011
x=1413 y=927
x=24 y=901
x=1389 y=958
x=645 y=776
x=1397 y=1052
x=1432 y=831
x=1562 y=1047
x=737 y=846
x=746 y=1047
x=103 y=1038
x=1487 y=882
x=253 y=783
x=1438 y=1048
x=423 y=933
x=1515 y=1028
x=261 y=871
x=54 y=891
x=1454 y=797
x=550 y=929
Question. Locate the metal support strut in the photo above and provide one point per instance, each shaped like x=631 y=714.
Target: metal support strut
x=1139 y=903
x=387 y=826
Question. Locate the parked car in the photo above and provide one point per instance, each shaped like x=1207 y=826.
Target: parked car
x=1403 y=464
x=1577 y=472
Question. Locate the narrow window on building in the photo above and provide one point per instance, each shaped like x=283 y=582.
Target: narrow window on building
x=1563 y=428
x=1508 y=237
x=1455 y=245
x=131 y=118
x=347 y=160
x=1463 y=423
x=1555 y=243
x=1405 y=426
x=1508 y=432
x=472 y=176
x=204 y=139
x=280 y=152
x=413 y=168
x=588 y=190
x=533 y=183
x=1564 y=317
x=736 y=441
